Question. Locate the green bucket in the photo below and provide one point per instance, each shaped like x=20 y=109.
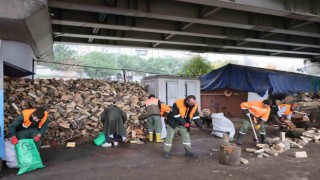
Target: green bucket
x=100 y=139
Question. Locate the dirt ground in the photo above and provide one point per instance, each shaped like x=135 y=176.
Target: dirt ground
x=131 y=161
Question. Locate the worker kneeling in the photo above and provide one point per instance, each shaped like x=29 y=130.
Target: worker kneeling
x=183 y=111
x=256 y=112
x=31 y=124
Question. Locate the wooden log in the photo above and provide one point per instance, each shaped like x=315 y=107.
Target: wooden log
x=230 y=155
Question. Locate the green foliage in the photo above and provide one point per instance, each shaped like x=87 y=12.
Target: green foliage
x=160 y=65
x=101 y=60
x=220 y=63
x=65 y=55
x=197 y=66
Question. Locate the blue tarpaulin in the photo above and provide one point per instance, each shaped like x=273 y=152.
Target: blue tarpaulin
x=258 y=80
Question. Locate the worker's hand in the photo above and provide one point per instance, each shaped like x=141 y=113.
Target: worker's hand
x=14 y=140
x=257 y=127
x=187 y=125
x=37 y=138
x=281 y=119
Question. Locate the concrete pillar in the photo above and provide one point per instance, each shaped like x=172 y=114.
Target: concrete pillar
x=1 y=106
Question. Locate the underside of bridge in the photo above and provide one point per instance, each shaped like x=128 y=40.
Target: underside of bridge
x=288 y=28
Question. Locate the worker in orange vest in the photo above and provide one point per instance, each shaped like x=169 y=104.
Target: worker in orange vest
x=183 y=112
x=284 y=113
x=153 y=106
x=30 y=124
x=259 y=112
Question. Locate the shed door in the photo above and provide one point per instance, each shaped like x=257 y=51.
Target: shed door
x=171 y=92
x=190 y=88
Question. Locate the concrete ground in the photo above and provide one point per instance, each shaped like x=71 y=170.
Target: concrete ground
x=131 y=161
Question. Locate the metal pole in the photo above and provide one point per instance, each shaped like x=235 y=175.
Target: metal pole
x=33 y=69
x=1 y=105
x=124 y=75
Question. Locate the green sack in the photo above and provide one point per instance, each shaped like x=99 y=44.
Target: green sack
x=100 y=139
x=28 y=156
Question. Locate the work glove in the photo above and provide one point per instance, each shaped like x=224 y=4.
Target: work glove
x=187 y=125
x=281 y=119
x=257 y=127
x=14 y=140
x=37 y=138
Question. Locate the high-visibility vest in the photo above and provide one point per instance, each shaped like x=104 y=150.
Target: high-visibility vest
x=164 y=108
x=183 y=109
x=256 y=109
x=26 y=118
x=152 y=105
x=288 y=109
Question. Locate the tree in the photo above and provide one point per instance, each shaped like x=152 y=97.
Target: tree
x=64 y=55
x=101 y=61
x=219 y=63
x=197 y=66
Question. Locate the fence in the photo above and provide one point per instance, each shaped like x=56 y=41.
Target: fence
x=46 y=69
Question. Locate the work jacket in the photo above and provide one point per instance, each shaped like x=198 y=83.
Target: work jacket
x=26 y=118
x=153 y=106
x=164 y=109
x=256 y=109
x=285 y=109
x=182 y=113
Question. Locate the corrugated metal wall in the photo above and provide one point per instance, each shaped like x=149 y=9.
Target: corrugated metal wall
x=226 y=101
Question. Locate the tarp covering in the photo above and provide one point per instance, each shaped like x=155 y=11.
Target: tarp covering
x=258 y=80
x=15 y=71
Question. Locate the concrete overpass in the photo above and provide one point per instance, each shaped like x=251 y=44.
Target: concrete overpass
x=287 y=28
x=28 y=28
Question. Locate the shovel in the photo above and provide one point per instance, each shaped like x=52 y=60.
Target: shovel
x=254 y=131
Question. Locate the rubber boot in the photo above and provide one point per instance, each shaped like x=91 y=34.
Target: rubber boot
x=263 y=138
x=150 y=136
x=240 y=136
x=166 y=155
x=191 y=154
x=158 y=138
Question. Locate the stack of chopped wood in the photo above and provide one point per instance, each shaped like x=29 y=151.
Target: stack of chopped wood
x=75 y=106
x=282 y=144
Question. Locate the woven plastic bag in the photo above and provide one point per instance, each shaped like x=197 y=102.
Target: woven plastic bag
x=100 y=139
x=28 y=156
x=10 y=155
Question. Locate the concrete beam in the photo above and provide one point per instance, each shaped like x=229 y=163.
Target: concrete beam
x=170 y=32
x=178 y=18
x=280 y=8
x=62 y=34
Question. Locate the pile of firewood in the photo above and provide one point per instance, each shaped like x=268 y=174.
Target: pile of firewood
x=75 y=106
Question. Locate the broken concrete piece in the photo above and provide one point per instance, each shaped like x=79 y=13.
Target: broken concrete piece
x=244 y=161
x=300 y=154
